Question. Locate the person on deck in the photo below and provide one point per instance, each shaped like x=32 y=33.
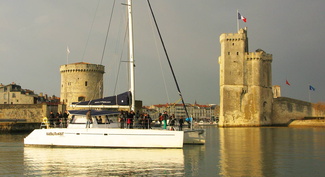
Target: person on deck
x=122 y=119
x=130 y=119
x=65 y=118
x=89 y=120
x=165 y=117
x=51 y=118
x=160 y=119
x=99 y=120
x=181 y=122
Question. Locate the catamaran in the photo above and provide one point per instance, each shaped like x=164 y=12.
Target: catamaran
x=81 y=133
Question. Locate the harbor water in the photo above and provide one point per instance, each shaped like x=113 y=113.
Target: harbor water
x=267 y=151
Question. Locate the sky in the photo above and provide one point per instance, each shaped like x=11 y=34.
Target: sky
x=35 y=34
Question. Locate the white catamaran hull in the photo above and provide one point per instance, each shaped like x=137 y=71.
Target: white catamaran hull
x=194 y=137
x=98 y=137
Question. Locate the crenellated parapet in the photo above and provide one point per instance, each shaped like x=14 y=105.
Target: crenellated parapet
x=259 y=55
x=82 y=67
x=241 y=35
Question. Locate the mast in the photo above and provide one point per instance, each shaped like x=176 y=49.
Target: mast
x=131 y=57
x=170 y=65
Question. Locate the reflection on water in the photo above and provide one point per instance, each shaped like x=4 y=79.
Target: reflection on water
x=269 y=151
x=272 y=151
x=100 y=162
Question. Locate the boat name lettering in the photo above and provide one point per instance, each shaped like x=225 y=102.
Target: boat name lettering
x=54 y=133
x=103 y=102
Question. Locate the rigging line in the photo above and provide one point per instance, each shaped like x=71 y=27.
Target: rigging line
x=108 y=27
x=119 y=66
x=91 y=27
x=116 y=50
x=170 y=65
x=159 y=59
x=99 y=86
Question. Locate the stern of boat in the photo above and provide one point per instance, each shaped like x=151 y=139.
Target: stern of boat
x=194 y=137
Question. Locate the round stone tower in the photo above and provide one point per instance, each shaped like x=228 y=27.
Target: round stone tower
x=81 y=82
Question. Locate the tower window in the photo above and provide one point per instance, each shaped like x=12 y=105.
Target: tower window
x=237 y=53
x=86 y=83
x=81 y=98
x=228 y=53
x=233 y=44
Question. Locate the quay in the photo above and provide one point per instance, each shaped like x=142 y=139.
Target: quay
x=308 y=122
x=13 y=127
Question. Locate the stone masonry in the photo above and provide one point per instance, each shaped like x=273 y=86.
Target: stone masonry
x=81 y=82
x=245 y=83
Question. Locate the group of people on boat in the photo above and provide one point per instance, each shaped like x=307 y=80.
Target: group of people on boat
x=131 y=119
x=172 y=121
x=125 y=119
x=59 y=119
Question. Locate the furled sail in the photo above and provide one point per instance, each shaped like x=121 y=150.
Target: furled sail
x=121 y=100
x=93 y=112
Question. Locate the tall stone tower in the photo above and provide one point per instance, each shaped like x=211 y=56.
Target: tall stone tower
x=245 y=83
x=81 y=82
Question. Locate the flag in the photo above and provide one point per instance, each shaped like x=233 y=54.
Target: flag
x=311 y=88
x=287 y=82
x=68 y=51
x=240 y=17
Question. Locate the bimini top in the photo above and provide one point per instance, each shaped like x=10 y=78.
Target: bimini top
x=123 y=99
x=93 y=112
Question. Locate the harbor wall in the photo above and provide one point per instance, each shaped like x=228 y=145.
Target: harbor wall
x=21 y=112
x=11 y=127
x=286 y=110
x=25 y=117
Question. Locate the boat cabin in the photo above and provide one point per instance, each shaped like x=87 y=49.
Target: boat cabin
x=100 y=119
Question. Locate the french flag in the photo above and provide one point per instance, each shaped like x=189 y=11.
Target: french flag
x=240 y=17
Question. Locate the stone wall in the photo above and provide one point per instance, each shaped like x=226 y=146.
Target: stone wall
x=11 y=127
x=245 y=83
x=285 y=110
x=81 y=82
x=26 y=112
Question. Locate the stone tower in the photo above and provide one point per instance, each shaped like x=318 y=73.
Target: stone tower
x=81 y=82
x=245 y=83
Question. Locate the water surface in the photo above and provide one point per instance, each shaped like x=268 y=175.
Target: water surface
x=271 y=151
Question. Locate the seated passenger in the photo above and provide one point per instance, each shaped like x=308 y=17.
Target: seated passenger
x=99 y=120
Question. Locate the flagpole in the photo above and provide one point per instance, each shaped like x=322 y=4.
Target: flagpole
x=237 y=21
x=309 y=95
x=68 y=52
x=67 y=57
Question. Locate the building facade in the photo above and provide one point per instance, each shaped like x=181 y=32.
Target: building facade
x=81 y=82
x=197 y=111
x=245 y=83
x=14 y=94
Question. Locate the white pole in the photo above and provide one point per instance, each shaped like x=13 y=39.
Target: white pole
x=309 y=94
x=68 y=52
x=237 y=20
x=131 y=57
